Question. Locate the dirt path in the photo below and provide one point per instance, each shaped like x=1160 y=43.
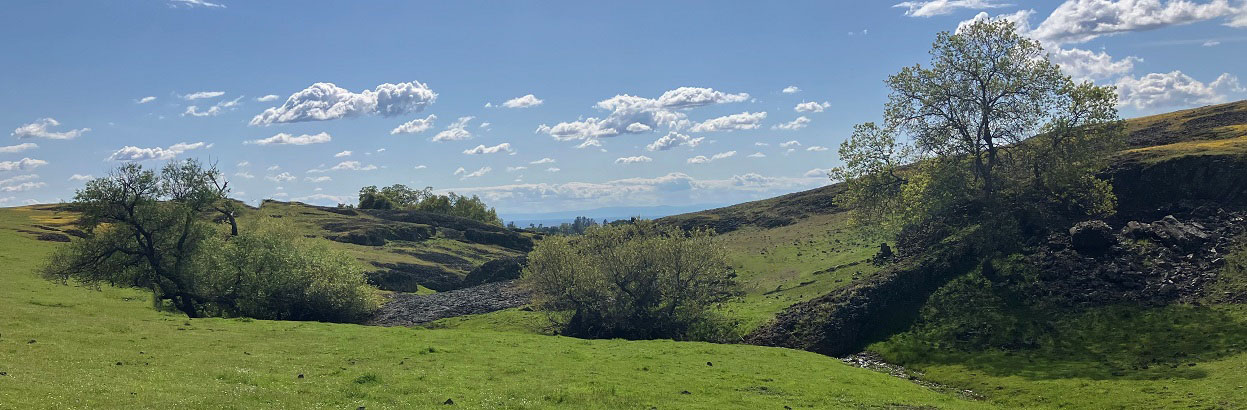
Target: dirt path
x=406 y=309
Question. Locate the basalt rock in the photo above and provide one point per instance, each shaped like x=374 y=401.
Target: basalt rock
x=1092 y=237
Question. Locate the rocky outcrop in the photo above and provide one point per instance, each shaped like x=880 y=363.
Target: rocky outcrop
x=1092 y=237
x=497 y=270
x=409 y=309
x=408 y=277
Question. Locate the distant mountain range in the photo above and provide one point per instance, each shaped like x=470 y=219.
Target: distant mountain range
x=610 y=213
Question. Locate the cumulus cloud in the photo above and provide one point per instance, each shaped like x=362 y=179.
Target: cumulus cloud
x=287 y=139
x=742 y=121
x=133 y=153
x=279 y=178
x=415 y=126
x=523 y=102
x=1089 y=65
x=517 y=168
x=757 y=155
x=18 y=148
x=930 y=8
x=816 y=148
x=342 y=154
x=457 y=131
x=818 y=172
x=24 y=164
x=319 y=179
x=194 y=4
x=799 y=123
x=242 y=173
x=792 y=89
x=674 y=139
x=352 y=166
x=812 y=106
x=702 y=159
x=482 y=149
x=1174 y=89
x=267 y=98
x=80 y=177
x=202 y=95
x=18 y=179
x=464 y=174
x=25 y=186
x=39 y=129
x=214 y=110
x=326 y=101
x=590 y=143
x=546 y=160
x=145 y=100
x=633 y=115
x=793 y=143
x=1077 y=21
x=633 y=160
x=553 y=169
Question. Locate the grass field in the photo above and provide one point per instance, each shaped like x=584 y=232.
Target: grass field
x=72 y=347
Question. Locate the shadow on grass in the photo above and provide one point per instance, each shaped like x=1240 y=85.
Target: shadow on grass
x=1120 y=342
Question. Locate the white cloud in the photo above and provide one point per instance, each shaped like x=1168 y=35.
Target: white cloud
x=415 y=126
x=799 y=123
x=816 y=148
x=202 y=94
x=546 y=160
x=80 y=177
x=24 y=164
x=1174 y=89
x=242 y=164
x=474 y=174
x=39 y=129
x=590 y=143
x=742 y=121
x=274 y=167
x=523 y=102
x=633 y=160
x=762 y=144
x=757 y=155
x=279 y=178
x=242 y=173
x=457 y=131
x=482 y=149
x=817 y=172
x=674 y=139
x=267 y=98
x=928 y=8
x=323 y=198
x=793 y=143
x=194 y=3
x=319 y=179
x=553 y=169
x=287 y=139
x=792 y=89
x=350 y=166
x=18 y=148
x=326 y=101
x=1020 y=19
x=421 y=166
x=812 y=106
x=1077 y=21
x=145 y=100
x=17 y=179
x=518 y=168
x=1085 y=64
x=633 y=115
x=1211 y=43
x=133 y=153
x=214 y=110
x=25 y=186
x=342 y=154
x=702 y=159
x=485 y=125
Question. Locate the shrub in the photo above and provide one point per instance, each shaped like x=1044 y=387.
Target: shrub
x=636 y=281
x=269 y=272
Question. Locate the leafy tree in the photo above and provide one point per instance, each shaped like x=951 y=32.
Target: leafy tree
x=153 y=230
x=144 y=230
x=399 y=196
x=994 y=130
x=634 y=281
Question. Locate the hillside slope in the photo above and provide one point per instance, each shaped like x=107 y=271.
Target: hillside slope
x=71 y=347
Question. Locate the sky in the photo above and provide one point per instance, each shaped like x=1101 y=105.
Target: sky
x=534 y=106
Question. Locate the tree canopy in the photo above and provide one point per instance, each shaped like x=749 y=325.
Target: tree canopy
x=399 y=196
x=991 y=129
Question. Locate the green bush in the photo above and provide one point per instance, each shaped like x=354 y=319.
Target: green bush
x=269 y=272
x=637 y=281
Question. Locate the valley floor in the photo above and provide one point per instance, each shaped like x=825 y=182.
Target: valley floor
x=72 y=347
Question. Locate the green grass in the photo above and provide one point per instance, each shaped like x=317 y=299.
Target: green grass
x=1176 y=356
x=783 y=266
x=73 y=347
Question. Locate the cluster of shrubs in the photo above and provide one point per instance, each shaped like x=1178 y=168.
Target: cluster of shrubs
x=399 y=196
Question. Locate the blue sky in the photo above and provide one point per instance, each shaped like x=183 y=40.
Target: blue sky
x=629 y=103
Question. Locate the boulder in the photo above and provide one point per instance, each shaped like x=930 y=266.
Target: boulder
x=496 y=270
x=1170 y=231
x=1092 y=237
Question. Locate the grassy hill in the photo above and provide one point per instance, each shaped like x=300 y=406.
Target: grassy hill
x=73 y=347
